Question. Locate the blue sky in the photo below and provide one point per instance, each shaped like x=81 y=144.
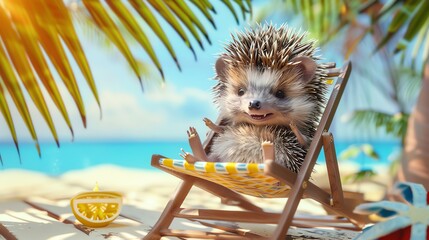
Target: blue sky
x=163 y=111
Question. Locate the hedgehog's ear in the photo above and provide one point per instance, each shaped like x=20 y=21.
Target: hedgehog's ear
x=221 y=66
x=306 y=66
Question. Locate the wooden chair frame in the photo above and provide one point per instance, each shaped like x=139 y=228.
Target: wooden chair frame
x=332 y=200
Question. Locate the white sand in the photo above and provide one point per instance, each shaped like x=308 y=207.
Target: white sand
x=146 y=193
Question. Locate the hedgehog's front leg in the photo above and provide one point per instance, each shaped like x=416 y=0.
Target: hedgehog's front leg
x=301 y=138
x=215 y=128
x=268 y=150
x=196 y=146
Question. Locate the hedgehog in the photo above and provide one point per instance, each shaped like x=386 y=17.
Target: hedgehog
x=270 y=93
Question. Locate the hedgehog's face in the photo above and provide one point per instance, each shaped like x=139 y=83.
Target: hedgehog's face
x=265 y=97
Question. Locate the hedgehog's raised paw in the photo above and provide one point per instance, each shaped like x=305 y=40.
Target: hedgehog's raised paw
x=188 y=157
x=192 y=132
x=194 y=140
x=209 y=123
x=267 y=150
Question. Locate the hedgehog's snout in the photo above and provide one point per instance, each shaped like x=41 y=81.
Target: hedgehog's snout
x=254 y=105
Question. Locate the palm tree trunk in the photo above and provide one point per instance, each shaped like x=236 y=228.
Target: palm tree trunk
x=415 y=159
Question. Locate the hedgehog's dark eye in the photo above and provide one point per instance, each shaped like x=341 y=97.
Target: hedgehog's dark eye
x=280 y=94
x=241 y=92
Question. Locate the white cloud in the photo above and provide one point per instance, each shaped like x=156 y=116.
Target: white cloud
x=168 y=94
x=123 y=117
x=159 y=114
x=163 y=113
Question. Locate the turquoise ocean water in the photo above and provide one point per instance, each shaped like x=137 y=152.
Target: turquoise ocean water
x=74 y=156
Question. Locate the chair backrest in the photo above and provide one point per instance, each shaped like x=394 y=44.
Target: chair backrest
x=327 y=116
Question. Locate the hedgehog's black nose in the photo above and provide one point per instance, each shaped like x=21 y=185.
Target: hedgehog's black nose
x=254 y=104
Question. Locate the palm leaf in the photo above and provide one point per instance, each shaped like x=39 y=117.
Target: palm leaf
x=50 y=41
x=355 y=150
x=349 y=153
x=168 y=16
x=408 y=84
x=107 y=25
x=133 y=27
x=184 y=18
x=249 y=6
x=183 y=7
x=415 y=50
x=231 y=8
x=370 y=152
x=387 y=8
x=242 y=7
x=11 y=82
x=4 y=109
x=406 y=21
x=17 y=54
x=418 y=46
x=151 y=20
x=31 y=45
x=204 y=8
x=61 y=16
x=207 y=4
x=417 y=22
x=362 y=175
x=34 y=34
x=399 y=20
x=323 y=18
x=412 y=18
x=395 y=124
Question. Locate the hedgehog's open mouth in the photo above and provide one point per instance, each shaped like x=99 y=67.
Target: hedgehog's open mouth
x=260 y=117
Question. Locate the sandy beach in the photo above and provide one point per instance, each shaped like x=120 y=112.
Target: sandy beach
x=36 y=206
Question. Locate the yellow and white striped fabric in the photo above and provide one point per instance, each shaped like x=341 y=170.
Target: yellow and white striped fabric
x=246 y=178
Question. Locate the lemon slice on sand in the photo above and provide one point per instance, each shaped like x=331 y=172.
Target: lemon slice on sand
x=96 y=209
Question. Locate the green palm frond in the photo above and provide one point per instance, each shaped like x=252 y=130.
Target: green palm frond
x=411 y=13
x=407 y=33
x=408 y=85
x=362 y=175
x=324 y=18
x=407 y=21
x=355 y=150
x=395 y=124
x=36 y=33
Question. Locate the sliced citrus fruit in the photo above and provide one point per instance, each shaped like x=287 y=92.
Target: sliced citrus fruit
x=96 y=209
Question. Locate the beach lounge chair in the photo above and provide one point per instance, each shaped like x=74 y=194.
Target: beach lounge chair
x=231 y=181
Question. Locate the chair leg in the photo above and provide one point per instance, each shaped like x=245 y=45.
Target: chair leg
x=167 y=217
x=339 y=199
x=286 y=218
x=333 y=171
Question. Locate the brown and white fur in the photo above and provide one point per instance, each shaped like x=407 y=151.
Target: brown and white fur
x=270 y=94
